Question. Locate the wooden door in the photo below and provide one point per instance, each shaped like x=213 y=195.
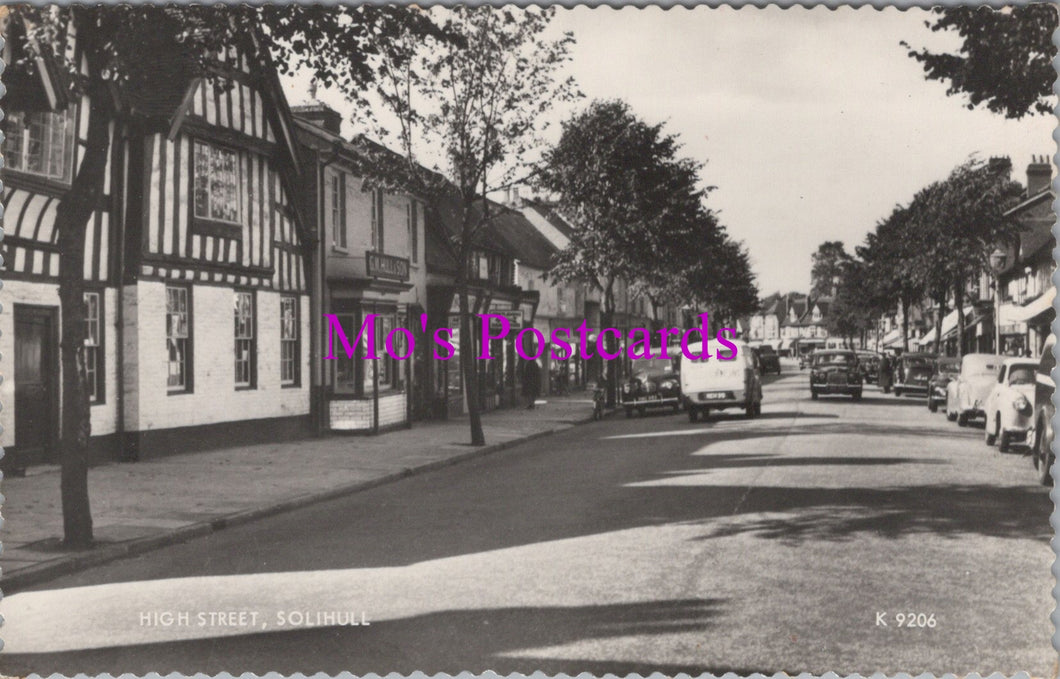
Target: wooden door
x=36 y=385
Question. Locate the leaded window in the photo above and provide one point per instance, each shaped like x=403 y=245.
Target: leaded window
x=216 y=183
x=41 y=143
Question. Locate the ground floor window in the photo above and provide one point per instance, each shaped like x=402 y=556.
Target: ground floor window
x=94 y=347
x=245 y=340
x=289 y=341
x=178 y=338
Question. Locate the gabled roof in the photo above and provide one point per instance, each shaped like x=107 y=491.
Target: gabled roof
x=551 y=214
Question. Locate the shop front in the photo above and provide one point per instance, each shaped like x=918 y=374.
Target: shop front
x=366 y=394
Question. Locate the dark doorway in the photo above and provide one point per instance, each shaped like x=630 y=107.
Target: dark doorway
x=36 y=385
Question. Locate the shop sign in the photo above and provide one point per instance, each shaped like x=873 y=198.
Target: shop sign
x=379 y=265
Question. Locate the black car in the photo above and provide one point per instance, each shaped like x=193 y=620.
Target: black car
x=653 y=383
x=912 y=373
x=768 y=359
x=835 y=372
x=946 y=369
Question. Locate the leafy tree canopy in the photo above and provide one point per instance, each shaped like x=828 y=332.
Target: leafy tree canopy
x=1004 y=61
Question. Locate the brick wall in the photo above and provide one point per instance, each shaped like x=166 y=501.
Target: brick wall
x=47 y=294
x=214 y=397
x=356 y=414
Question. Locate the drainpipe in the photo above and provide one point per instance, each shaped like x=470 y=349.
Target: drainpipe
x=119 y=395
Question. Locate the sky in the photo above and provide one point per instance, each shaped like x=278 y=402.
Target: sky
x=813 y=123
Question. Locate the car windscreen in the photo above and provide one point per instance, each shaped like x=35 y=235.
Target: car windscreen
x=653 y=366
x=820 y=360
x=949 y=368
x=1021 y=374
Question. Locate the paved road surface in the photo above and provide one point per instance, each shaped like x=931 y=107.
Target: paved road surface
x=625 y=545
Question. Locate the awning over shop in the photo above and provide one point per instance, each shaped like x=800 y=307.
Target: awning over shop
x=892 y=339
x=949 y=327
x=1039 y=306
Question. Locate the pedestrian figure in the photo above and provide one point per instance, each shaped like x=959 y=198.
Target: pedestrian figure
x=884 y=376
x=531 y=382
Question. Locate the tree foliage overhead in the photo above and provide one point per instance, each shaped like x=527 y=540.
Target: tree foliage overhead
x=622 y=183
x=1005 y=58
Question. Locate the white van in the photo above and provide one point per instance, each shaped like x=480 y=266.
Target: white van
x=714 y=384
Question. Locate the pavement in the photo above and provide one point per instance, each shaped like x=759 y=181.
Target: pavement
x=141 y=506
x=830 y=535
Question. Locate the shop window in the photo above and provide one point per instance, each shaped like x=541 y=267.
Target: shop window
x=178 y=339
x=41 y=143
x=94 y=347
x=345 y=377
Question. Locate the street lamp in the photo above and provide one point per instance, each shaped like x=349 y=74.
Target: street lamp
x=998 y=260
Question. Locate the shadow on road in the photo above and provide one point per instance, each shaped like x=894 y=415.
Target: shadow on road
x=445 y=641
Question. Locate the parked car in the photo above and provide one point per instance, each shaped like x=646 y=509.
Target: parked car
x=835 y=371
x=653 y=383
x=1009 y=406
x=946 y=370
x=768 y=360
x=716 y=384
x=912 y=373
x=966 y=394
x=1042 y=438
x=869 y=365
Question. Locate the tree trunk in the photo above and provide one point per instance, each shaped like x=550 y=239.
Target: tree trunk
x=905 y=325
x=72 y=216
x=607 y=318
x=468 y=365
x=938 y=325
x=958 y=302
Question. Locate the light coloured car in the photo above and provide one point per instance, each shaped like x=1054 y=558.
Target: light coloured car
x=1010 y=405
x=966 y=395
x=1042 y=436
x=716 y=384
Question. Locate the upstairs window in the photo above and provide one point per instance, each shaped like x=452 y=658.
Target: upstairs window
x=337 y=207
x=216 y=184
x=414 y=236
x=41 y=143
x=377 y=220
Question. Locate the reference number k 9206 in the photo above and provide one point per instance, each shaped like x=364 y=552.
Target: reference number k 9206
x=883 y=619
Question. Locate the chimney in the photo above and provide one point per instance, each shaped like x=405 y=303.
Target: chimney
x=1039 y=175
x=320 y=114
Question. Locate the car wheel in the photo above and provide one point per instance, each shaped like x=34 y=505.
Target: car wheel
x=991 y=436
x=1004 y=441
x=897 y=392
x=932 y=406
x=813 y=394
x=693 y=414
x=1043 y=460
x=857 y=395
x=962 y=419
